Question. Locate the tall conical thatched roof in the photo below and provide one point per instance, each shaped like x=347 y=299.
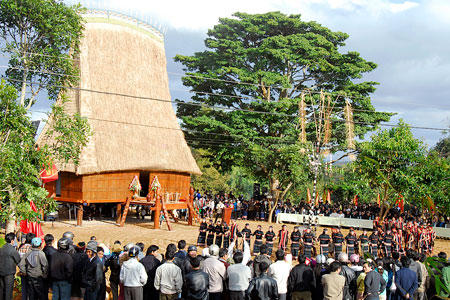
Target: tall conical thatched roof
x=122 y=57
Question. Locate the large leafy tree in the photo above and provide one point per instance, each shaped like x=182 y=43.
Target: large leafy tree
x=41 y=39
x=388 y=162
x=258 y=67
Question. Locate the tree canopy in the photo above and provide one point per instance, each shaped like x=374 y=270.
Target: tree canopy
x=248 y=84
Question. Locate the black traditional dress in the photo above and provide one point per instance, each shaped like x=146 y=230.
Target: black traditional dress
x=201 y=240
x=324 y=243
x=308 y=240
x=283 y=238
x=295 y=243
x=219 y=235
x=337 y=241
x=226 y=236
x=247 y=233
x=364 y=240
x=258 y=241
x=210 y=236
x=373 y=240
x=269 y=241
x=350 y=239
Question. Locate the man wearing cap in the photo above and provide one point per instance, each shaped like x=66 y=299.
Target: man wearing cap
x=9 y=259
x=35 y=266
x=92 y=275
x=61 y=271
x=186 y=264
x=133 y=276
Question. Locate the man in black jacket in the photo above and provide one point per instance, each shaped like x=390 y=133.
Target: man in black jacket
x=196 y=282
x=374 y=284
x=9 y=259
x=350 y=277
x=262 y=287
x=93 y=272
x=113 y=264
x=151 y=263
x=186 y=264
x=49 y=250
x=61 y=270
x=301 y=281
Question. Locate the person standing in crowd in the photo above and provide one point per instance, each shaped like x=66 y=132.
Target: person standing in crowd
x=384 y=274
x=270 y=236
x=133 y=276
x=295 y=242
x=239 y=276
x=234 y=231
x=186 y=264
x=262 y=257
x=196 y=282
x=374 y=284
x=48 y=250
x=61 y=271
x=92 y=275
x=280 y=272
x=35 y=267
x=223 y=257
x=283 y=238
x=24 y=248
x=247 y=233
x=338 y=240
x=151 y=263
x=210 y=236
x=308 y=242
x=218 y=229
x=168 y=278
x=80 y=259
x=226 y=235
x=9 y=259
x=387 y=243
x=406 y=281
x=349 y=275
x=216 y=271
x=333 y=283
x=324 y=242
x=201 y=240
x=262 y=287
x=114 y=265
x=301 y=281
x=373 y=240
x=181 y=253
x=350 y=241
x=258 y=240
x=364 y=242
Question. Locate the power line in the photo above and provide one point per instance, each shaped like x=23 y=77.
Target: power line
x=239 y=83
x=225 y=108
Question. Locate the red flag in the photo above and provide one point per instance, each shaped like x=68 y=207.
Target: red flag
x=308 y=196
x=378 y=200
x=329 y=197
x=33 y=227
x=355 y=200
x=401 y=202
x=49 y=175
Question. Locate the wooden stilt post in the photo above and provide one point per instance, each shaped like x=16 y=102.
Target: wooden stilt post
x=191 y=206
x=80 y=215
x=157 y=214
x=125 y=212
x=118 y=213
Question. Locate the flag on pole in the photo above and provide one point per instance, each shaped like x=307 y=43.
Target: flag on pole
x=329 y=196
x=378 y=200
x=308 y=196
x=355 y=200
x=33 y=227
x=317 y=199
x=50 y=174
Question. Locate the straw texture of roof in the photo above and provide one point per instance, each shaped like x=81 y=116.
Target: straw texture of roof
x=128 y=133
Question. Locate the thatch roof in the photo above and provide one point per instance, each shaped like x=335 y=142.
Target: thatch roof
x=128 y=133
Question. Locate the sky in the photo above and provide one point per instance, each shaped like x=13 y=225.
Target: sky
x=409 y=40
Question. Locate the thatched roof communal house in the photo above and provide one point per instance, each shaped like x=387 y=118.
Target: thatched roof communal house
x=131 y=135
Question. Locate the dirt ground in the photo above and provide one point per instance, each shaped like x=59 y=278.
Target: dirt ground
x=135 y=230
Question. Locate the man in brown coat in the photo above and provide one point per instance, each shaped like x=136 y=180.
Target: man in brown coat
x=333 y=283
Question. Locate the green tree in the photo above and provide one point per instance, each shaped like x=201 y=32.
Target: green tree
x=42 y=39
x=257 y=67
x=443 y=147
x=211 y=180
x=387 y=162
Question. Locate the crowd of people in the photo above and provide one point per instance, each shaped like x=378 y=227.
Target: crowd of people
x=369 y=268
x=258 y=209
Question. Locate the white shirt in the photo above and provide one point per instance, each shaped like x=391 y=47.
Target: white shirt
x=280 y=272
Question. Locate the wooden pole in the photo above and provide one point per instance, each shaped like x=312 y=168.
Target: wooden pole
x=191 y=206
x=157 y=214
x=118 y=213
x=80 y=215
x=166 y=215
x=125 y=212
